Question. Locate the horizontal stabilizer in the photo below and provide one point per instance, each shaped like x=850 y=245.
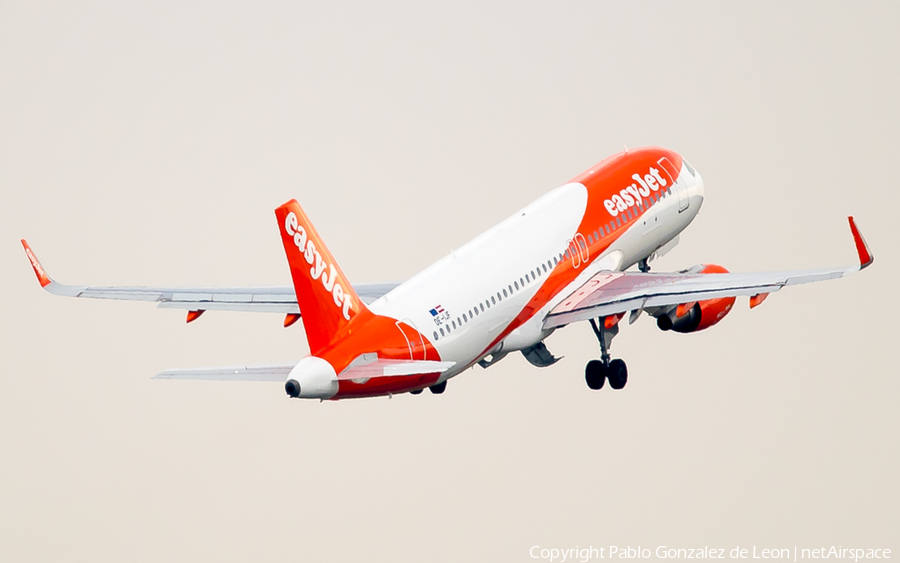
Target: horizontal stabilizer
x=368 y=366
x=269 y=372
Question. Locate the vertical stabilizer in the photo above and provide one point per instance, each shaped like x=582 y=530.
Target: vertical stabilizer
x=327 y=301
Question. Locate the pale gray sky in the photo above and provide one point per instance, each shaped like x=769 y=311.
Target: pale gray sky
x=150 y=144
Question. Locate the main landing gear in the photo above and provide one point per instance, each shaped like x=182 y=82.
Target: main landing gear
x=597 y=372
x=437 y=388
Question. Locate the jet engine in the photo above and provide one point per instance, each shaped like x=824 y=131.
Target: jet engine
x=697 y=315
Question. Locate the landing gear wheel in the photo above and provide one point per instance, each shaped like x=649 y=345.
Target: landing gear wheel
x=416 y=391
x=595 y=374
x=617 y=373
x=439 y=388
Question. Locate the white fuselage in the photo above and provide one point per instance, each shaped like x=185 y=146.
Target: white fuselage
x=479 y=289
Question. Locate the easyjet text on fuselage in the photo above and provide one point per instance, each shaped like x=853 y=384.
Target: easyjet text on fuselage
x=633 y=194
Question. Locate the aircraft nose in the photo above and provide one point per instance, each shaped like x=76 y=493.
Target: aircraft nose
x=694 y=183
x=699 y=186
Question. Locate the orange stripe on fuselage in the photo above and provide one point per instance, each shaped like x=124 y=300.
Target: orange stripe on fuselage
x=389 y=339
x=604 y=180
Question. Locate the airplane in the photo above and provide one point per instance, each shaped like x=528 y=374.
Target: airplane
x=563 y=258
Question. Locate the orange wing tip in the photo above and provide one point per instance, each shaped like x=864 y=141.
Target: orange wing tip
x=290 y=319
x=756 y=300
x=42 y=276
x=865 y=255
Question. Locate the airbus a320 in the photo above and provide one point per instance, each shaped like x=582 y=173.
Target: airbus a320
x=563 y=259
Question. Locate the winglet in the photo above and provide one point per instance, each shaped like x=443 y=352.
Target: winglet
x=865 y=255
x=42 y=277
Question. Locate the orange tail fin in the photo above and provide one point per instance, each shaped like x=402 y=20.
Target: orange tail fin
x=327 y=301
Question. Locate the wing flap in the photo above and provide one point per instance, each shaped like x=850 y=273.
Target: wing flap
x=251 y=307
x=633 y=290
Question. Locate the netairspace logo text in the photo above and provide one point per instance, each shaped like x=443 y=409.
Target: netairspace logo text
x=584 y=554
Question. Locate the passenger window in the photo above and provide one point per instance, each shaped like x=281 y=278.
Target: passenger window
x=505 y=294
x=517 y=286
x=435 y=335
x=442 y=331
x=545 y=267
x=590 y=239
x=458 y=321
x=482 y=307
x=521 y=282
x=595 y=235
x=465 y=319
x=618 y=221
x=492 y=299
x=454 y=325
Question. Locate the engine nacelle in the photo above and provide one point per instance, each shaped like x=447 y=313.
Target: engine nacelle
x=691 y=317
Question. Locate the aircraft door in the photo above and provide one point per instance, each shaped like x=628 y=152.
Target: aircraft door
x=413 y=339
x=680 y=188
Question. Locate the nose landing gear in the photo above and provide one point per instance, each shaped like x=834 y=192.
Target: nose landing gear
x=597 y=372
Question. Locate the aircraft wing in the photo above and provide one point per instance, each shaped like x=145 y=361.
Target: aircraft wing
x=268 y=299
x=609 y=293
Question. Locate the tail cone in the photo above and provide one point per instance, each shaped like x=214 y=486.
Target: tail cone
x=292 y=388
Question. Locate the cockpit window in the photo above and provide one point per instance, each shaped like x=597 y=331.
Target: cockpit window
x=689 y=167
